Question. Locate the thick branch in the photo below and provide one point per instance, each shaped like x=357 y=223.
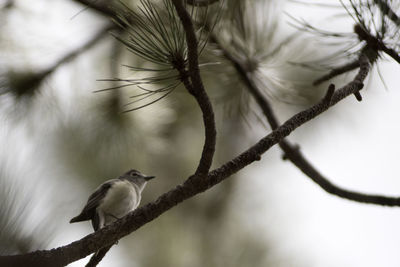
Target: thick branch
x=198 y=90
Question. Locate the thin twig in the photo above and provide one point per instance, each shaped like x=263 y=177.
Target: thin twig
x=337 y=71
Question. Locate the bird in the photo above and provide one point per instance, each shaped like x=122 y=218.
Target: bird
x=113 y=199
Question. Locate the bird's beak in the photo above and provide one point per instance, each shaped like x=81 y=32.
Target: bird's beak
x=147 y=178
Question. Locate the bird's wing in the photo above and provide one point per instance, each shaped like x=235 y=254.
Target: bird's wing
x=94 y=200
x=98 y=195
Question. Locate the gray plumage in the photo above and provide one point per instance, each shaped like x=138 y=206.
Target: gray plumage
x=113 y=199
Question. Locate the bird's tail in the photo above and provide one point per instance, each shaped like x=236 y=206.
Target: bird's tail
x=98 y=256
x=81 y=217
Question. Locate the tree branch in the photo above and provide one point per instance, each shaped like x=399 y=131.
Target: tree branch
x=292 y=152
x=198 y=90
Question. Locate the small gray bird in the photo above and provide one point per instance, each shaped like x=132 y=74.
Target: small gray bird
x=113 y=199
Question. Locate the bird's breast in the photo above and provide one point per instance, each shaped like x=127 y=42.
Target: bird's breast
x=120 y=199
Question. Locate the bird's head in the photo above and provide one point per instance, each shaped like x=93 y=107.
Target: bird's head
x=137 y=178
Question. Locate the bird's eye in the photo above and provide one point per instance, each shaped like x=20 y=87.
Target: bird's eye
x=134 y=173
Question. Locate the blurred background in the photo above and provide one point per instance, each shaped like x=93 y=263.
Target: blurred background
x=59 y=139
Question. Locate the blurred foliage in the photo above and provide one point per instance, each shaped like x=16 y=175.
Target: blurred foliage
x=22 y=83
x=252 y=33
x=18 y=232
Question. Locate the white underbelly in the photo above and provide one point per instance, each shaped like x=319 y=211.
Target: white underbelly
x=120 y=200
